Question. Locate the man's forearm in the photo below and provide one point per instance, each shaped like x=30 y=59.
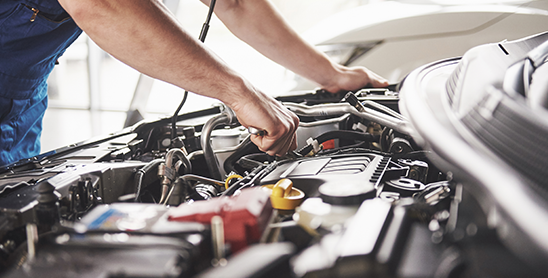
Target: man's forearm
x=144 y=35
x=257 y=23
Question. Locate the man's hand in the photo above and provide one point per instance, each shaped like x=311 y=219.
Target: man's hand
x=144 y=35
x=354 y=78
x=265 y=113
x=259 y=24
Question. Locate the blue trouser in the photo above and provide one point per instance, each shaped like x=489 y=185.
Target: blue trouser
x=33 y=35
x=21 y=126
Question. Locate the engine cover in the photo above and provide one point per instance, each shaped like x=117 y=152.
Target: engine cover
x=338 y=179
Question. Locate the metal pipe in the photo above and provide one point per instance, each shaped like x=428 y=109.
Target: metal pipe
x=190 y=177
x=335 y=109
x=383 y=109
x=32 y=240
x=170 y=172
x=218 y=241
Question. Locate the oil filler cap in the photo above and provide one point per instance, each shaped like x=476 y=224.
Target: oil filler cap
x=284 y=196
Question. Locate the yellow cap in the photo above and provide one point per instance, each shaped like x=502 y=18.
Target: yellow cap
x=284 y=196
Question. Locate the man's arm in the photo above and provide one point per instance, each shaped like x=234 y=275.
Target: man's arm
x=144 y=35
x=257 y=23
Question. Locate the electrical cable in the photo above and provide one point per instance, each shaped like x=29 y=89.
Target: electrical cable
x=175 y=115
x=203 y=34
x=205 y=27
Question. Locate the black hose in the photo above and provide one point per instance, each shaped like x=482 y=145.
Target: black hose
x=251 y=161
x=209 y=155
x=178 y=153
x=245 y=148
x=191 y=190
x=140 y=175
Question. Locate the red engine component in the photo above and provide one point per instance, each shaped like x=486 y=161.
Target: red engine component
x=245 y=216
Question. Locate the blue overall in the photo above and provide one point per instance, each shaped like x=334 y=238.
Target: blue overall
x=33 y=35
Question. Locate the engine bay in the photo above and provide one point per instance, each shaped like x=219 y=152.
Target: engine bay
x=360 y=196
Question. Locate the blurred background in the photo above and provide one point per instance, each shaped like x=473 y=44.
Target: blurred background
x=90 y=91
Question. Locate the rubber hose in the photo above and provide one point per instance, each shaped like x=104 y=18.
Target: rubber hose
x=141 y=174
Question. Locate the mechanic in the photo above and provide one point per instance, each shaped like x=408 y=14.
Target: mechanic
x=147 y=37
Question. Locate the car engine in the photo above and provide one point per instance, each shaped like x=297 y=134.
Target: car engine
x=373 y=189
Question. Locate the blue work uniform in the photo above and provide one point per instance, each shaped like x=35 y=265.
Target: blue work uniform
x=33 y=35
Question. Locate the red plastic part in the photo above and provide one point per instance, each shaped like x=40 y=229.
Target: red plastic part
x=245 y=216
x=329 y=144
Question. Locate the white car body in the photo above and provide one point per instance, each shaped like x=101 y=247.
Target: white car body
x=397 y=37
